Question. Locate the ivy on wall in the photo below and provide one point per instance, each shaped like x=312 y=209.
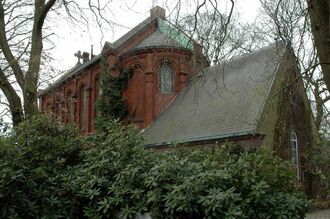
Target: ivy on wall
x=293 y=115
x=111 y=104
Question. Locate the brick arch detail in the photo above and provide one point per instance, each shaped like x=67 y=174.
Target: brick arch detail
x=135 y=94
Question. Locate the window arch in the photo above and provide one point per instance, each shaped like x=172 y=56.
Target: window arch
x=294 y=151
x=166 y=78
x=59 y=110
x=83 y=110
x=70 y=107
x=97 y=93
x=97 y=87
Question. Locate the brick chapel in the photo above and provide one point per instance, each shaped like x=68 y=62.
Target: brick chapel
x=174 y=96
x=163 y=58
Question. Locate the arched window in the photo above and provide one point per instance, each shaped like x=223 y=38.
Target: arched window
x=98 y=90
x=70 y=107
x=165 y=78
x=294 y=151
x=58 y=112
x=83 y=111
x=97 y=94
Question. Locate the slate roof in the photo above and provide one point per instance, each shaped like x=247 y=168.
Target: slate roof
x=166 y=36
x=132 y=32
x=158 y=39
x=70 y=73
x=77 y=69
x=222 y=101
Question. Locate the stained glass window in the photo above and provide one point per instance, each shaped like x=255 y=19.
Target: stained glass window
x=166 y=78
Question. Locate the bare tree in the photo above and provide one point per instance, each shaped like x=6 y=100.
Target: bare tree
x=319 y=14
x=22 y=35
x=208 y=22
x=288 y=22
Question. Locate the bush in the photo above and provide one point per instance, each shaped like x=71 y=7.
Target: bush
x=48 y=171
x=218 y=184
x=110 y=178
x=32 y=161
x=319 y=166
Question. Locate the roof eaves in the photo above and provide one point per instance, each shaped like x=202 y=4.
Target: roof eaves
x=72 y=72
x=205 y=138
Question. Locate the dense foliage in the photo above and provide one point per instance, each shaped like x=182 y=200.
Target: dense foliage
x=32 y=161
x=319 y=165
x=48 y=171
x=111 y=104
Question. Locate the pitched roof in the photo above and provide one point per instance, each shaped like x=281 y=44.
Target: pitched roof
x=167 y=36
x=132 y=32
x=79 y=68
x=222 y=101
x=158 y=39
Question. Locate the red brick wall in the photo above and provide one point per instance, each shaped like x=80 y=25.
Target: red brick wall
x=142 y=95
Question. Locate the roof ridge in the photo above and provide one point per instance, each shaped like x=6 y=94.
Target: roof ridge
x=237 y=58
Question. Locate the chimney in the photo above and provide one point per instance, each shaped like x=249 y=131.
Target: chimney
x=92 y=52
x=85 y=57
x=157 y=12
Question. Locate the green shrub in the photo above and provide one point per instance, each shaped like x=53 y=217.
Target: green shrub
x=110 y=178
x=218 y=184
x=32 y=161
x=48 y=171
x=319 y=166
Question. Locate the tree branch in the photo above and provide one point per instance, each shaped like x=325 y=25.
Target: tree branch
x=12 y=61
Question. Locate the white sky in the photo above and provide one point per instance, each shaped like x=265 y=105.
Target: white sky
x=126 y=14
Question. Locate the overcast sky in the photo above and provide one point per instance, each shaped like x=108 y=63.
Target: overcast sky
x=126 y=14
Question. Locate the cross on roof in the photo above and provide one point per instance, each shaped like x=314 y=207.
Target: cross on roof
x=79 y=56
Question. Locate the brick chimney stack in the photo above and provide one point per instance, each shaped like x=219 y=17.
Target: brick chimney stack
x=157 y=12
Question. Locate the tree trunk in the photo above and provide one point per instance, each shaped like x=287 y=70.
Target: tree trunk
x=30 y=101
x=319 y=15
x=14 y=101
x=32 y=75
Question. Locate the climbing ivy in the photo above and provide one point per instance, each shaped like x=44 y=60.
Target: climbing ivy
x=111 y=104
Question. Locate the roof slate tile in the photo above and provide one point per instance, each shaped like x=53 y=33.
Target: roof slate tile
x=223 y=100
